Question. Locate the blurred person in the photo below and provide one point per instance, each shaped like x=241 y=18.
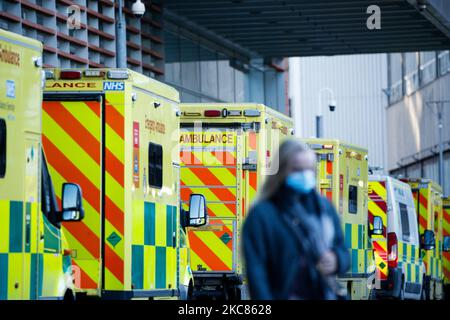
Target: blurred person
x=292 y=238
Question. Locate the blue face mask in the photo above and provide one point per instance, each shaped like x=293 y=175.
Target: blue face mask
x=302 y=181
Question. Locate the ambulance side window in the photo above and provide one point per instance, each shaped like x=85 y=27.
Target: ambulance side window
x=2 y=148
x=155 y=165
x=404 y=217
x=49 y=204
x=353 y=199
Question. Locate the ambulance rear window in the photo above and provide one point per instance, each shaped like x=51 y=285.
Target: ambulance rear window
x=155 y=165
x=2 y=148
x=405 y=221
x=353 y=199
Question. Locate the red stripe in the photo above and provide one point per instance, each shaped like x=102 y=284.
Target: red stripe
x=422 y=222
x=225 y=157
x=73 y=128
x=114 y=215
x=252 y=140
x=86 y=282
x=71 y=173
x=83 y=137
x=114 y=167
x=252 y=179
x=85 y=236
x=219 y=234
x=423 y=201
x=114 y=263
x=329 y=167
x=446 y=215
x=209 y=179
x=380 y=250
x=205 y=253
x=114 y=119
x=94 y=106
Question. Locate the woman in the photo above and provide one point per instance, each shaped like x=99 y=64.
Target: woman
x=292 y=238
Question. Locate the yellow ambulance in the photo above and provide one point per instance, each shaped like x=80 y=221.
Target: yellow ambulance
x=400 y=271
x=226 y=149
x=446 y=245
x=33 y=261
x=342 y=171
x=115 y=133
x=428 y=200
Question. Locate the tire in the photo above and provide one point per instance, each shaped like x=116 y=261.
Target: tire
x=372 y=295
x=190 y=293
x=401 y=295
x=69 y=296
x=423 y=293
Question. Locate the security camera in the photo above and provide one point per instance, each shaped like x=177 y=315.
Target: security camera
x=332 y=105
x=422 y=4
x=138 y=9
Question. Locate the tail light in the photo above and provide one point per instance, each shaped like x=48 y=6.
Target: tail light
x=70 y=75
x=213 y=113
x=392 y=250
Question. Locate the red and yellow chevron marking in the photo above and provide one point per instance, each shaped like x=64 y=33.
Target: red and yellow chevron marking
x=212 y=246
x=211 y=171
x=377 y=207
x=252 y=176
x=73 y=144
x=216 y=183
x=329 y=192
x=423 y=209
x=446 y=232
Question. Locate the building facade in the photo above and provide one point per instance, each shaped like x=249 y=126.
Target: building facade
x=416 y=81
x=203 y=67
x=355 y=83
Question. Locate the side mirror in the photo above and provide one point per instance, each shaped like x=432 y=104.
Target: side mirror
x=446 y=245
x=377 y=225
x=72 y=203
x=428 y=241
x=198 y=215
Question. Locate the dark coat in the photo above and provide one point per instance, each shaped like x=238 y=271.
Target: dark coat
x=272 y=248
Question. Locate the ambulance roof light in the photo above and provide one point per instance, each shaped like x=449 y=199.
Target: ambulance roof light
x=252 y=113
x=234 y=113
x=94 y=73
x=70 y=74
x=328 y=146
x=118 y=74
x=213 y=113
x=191 y=114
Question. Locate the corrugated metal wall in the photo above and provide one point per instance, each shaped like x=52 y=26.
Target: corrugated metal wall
x=414 y=125
x=357 y=82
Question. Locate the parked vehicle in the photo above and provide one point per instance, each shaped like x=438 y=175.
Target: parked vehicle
x=225 y=150
x=342 y=176
x=112 y=131
x=400 y=270
x=34 y=260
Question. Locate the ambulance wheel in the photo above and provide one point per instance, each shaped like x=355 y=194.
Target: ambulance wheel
x=69 y=296
x=190 y=293
x=423 y=295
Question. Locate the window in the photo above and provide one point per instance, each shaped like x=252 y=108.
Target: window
x=49 y=204
x=353 y=199
x=2 y=148
x=404 y=217
x=155 y=165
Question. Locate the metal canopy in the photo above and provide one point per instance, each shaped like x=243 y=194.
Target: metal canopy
x=284 y=28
